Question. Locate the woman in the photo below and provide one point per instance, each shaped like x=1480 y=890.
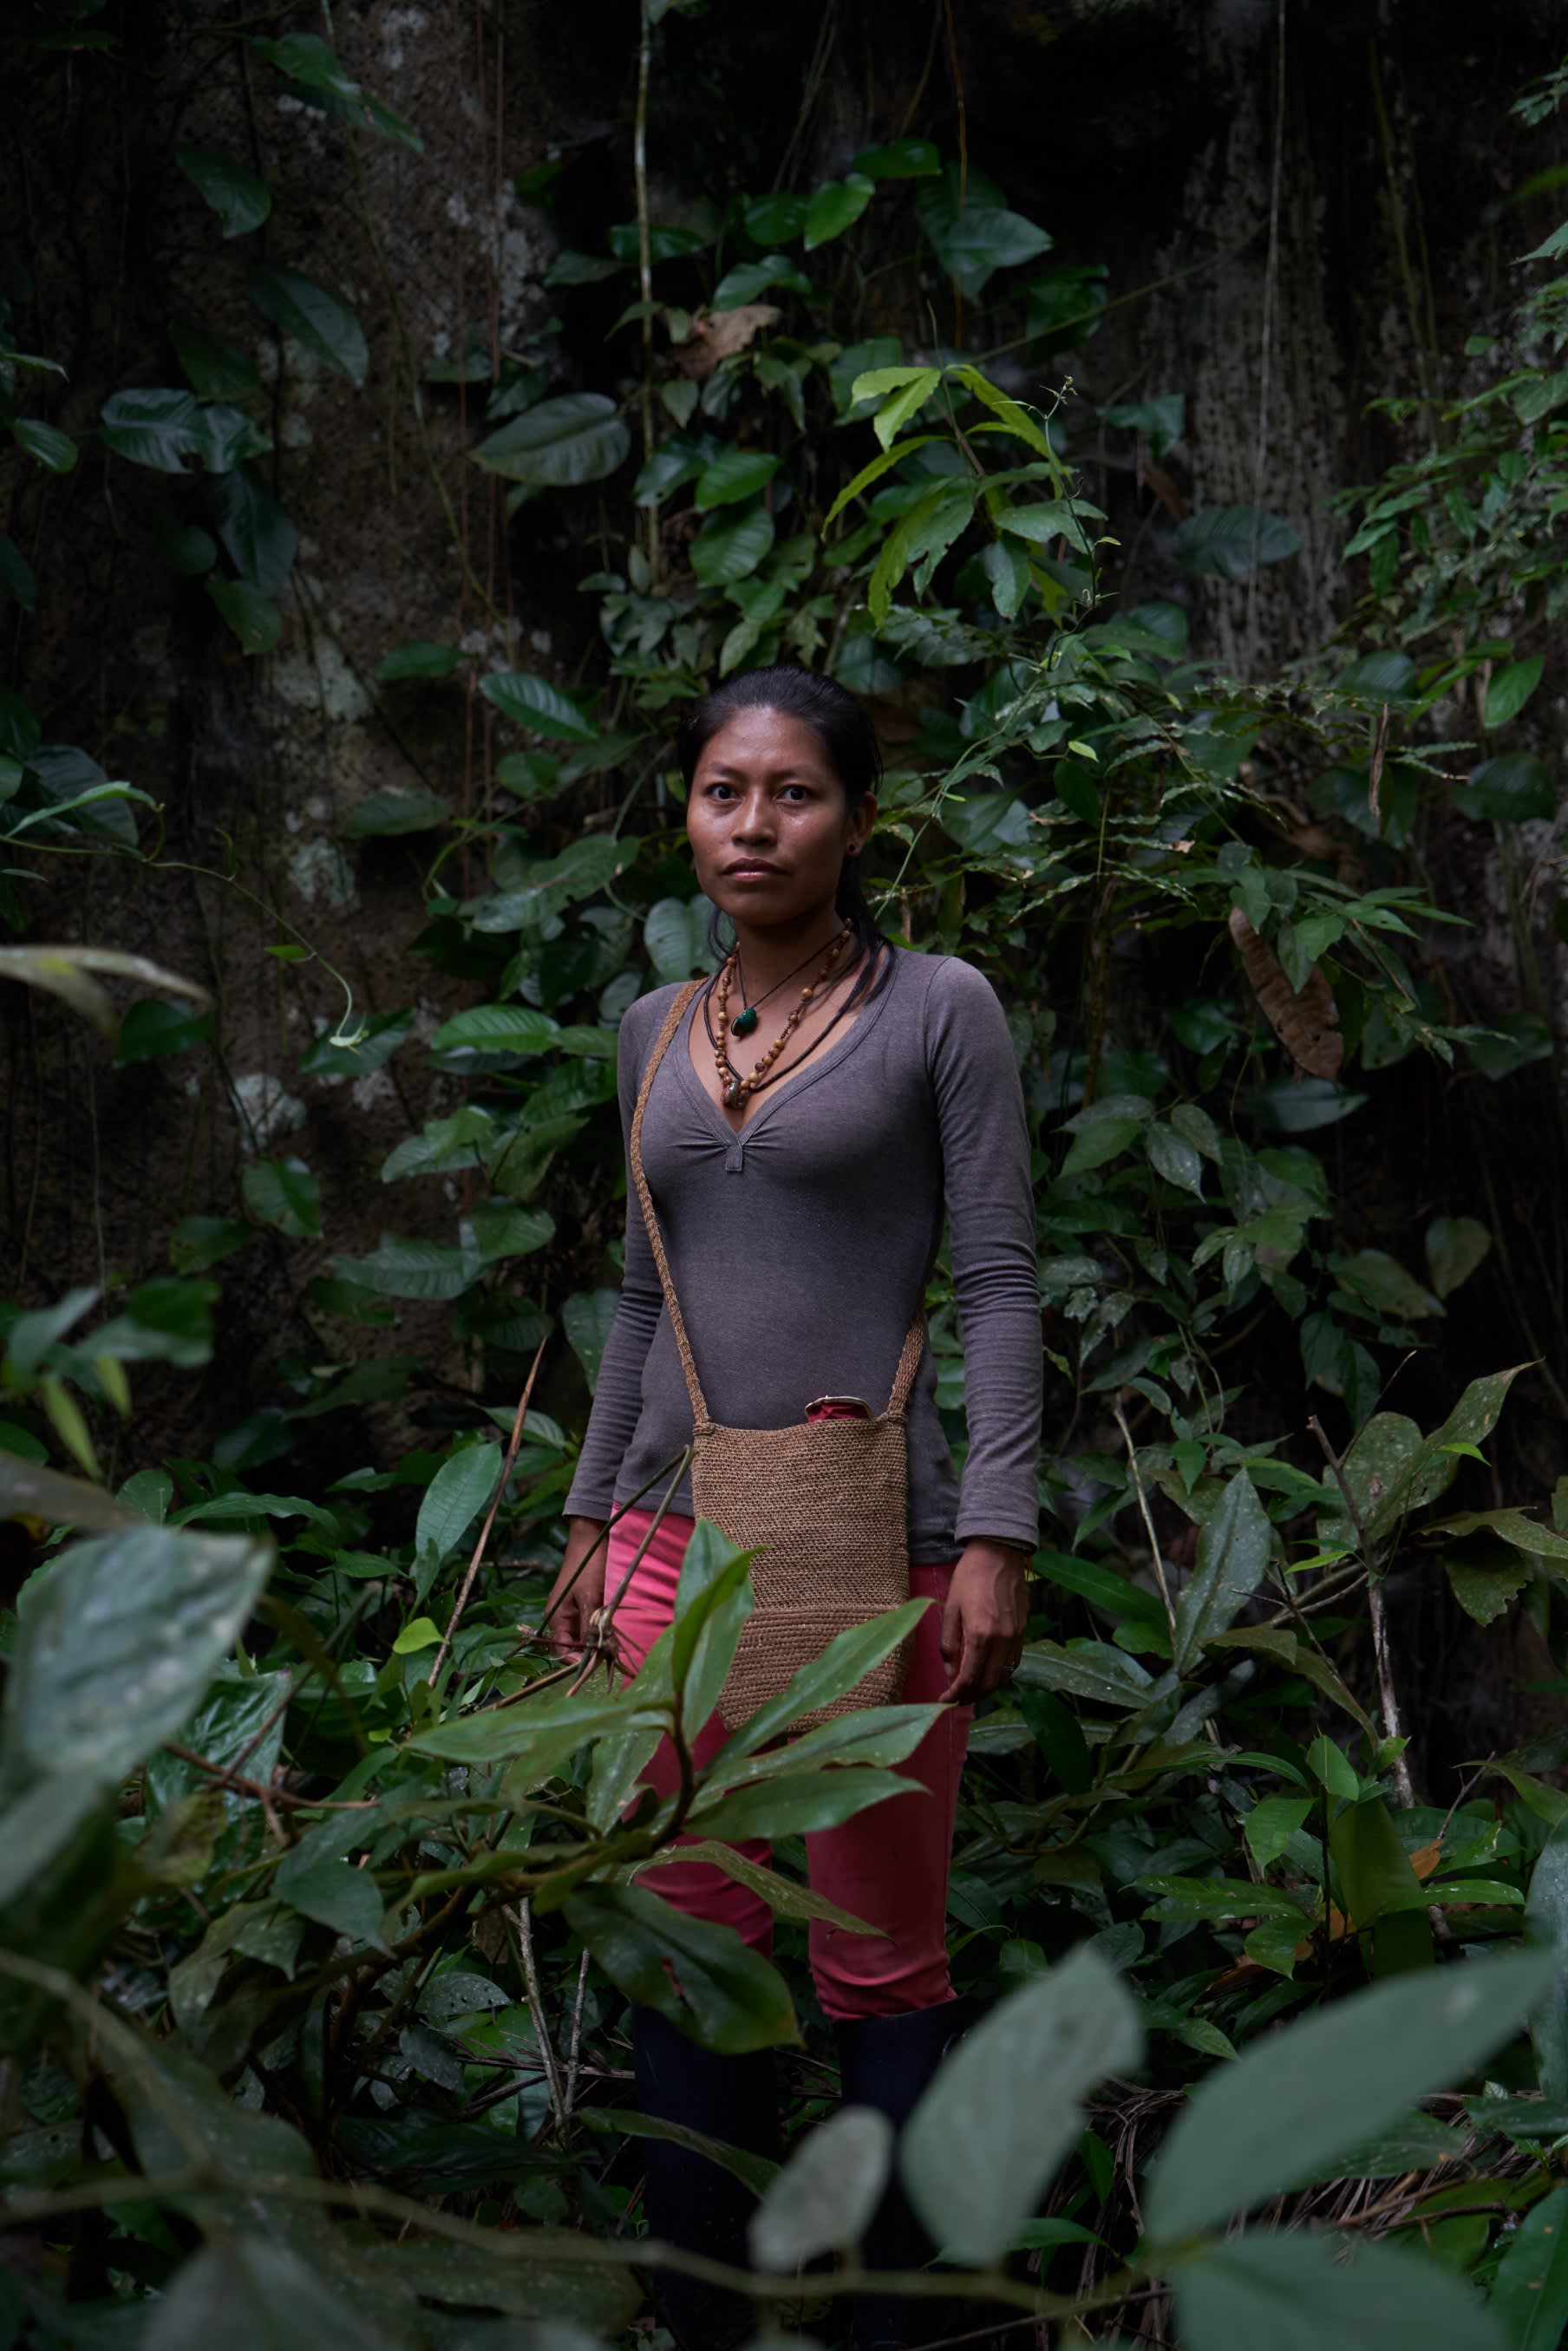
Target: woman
x=827 y=1099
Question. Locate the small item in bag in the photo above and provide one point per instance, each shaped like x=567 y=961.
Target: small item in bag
x=831 y=1408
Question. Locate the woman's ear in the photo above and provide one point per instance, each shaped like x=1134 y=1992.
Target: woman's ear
x=857 y=825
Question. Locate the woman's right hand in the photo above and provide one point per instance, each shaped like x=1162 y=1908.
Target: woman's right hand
x=579 y=1590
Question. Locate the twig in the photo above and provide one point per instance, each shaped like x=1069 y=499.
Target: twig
x=258 y=1788
x=516 y=1438
x=574 y=2059
x=1388 y=1696
x=522 y=1921
x=645 y=265
x=1121 y=1420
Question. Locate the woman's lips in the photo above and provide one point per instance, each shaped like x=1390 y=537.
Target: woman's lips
x=753 y=869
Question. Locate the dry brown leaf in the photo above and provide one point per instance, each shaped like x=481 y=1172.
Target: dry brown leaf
x=1155 y=478
x=1425 y=1857
x=718 y=334
x=1374 y=773
x=1307 y=1025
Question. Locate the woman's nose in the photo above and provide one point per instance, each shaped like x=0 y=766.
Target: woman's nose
x=754 y=819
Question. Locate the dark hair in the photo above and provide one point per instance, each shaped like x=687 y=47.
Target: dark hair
x=841 y=725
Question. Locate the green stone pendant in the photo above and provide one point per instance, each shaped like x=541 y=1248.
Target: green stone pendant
x=744 y=1022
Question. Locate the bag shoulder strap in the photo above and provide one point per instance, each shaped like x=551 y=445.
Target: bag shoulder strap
x=914 y=1338
x=673 y=1020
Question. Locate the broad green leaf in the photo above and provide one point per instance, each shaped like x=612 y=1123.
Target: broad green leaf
x=1232 y=1558
x=173 y=433
x=1508 y=790
x=785 y=1896
x=1486 y=1592
x=775 y=219
x=1106 y=1139
x=1529 y=2292
x=901 y=402
x=19 y=580
x=240 y=200
x=754 y=2171
x=587 y=1318
x=1047 y=520
x=116 y=1642
x=502 y=1231
x=495 y=1029
x=559 y=443
x=701 y=1977
x=453 y=1500
x=1228 y=542
x=554 y=1716
x=535 y=703
x=1295 y=2101
x=315 y=317
x=1291 y=2291
x=306 y=58
x=1508 y=689
x=823 y=2200
x=713 y=1602
x=1173 y=1157
x=836 y=207
x=738 y=474
x=971 y=231
x=283 y=1192
x=51 y=448
x=980 y=2145
x=748 y=280
x=1455 y=1246
x=1382 y=1281
x=675 y=933
x=1330 y=1764
x=794 y=1804
x=403 y=1268
x=900 y=159
x=1271 y=1824
x=845 y=1662
x=730 y=546
x=257 y=2293
x=1381 y=1888
x=878 y=1735
x=218 y=368
x=1546 y=1921
x=387 y=815
x=252 y=618
x=417 y=658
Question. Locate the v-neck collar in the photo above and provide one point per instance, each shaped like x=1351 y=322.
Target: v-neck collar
x=787 y=1088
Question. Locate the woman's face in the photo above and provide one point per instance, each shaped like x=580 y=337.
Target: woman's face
x=768 y=821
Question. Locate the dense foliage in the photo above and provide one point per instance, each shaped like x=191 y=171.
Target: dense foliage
x=316 y=1911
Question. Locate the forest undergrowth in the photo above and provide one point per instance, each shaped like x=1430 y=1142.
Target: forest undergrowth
x=324 y=1887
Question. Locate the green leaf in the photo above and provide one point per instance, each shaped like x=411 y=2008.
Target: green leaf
x=1455 y=1247
x=836 y=207
x=257 y=2293
x=257 y=536
x=1381 y=1888
x=240 y=200
x=900 y=159
x=306 y=58
x=502 y=1231
x=713 y=1602
x=389 y=814
x=1295 y=2292
x=252 y=617
x=675 y=933
x=976 y=2153
x=151 y=1029
x=559 y=443
x=1330 y=1764
x=794 y=1804
x=971 y=232
x=701 y=1977
x=1228 y=542
x=1094 y=1145
x=283 y=1192
x=823 y=2200
x=495 y=1029
x=738 y=474
x=587 y=1318
x=453 y=1500
x=841 y=1668
x=1508 y=790
x=535 y=703
x=1271 y=1824
x=401 y=1268
x=748 y=279
x=784 y=1896
x=197 y=1242
x=1171 y=1155
x=1295 y=2101
x=417 y=658
x=116 y=1640
x=1510 y=689
x=754 y=2171
x=908 y=389
x=16 y=575
x=218 y=368
x=1232 y=1558
x=1529 y=2292
x=319 y=320
x=1486 y=1592
x=1546 y=1922
x=1382 y=1281
x=54 y=450
x=775 y=219
x=731 y=545
x=172 y=433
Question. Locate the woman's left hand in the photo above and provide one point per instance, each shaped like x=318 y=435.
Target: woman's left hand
x=985 y=1620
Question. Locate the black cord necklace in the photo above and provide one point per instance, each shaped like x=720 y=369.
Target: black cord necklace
x=786 y=1068
x=745 y=1021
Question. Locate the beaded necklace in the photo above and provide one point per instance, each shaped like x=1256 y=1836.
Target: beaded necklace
x=736 y=1090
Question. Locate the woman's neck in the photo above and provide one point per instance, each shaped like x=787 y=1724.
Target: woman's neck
x=767 y=954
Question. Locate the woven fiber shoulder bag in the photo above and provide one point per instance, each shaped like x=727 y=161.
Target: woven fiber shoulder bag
x=823 y=1503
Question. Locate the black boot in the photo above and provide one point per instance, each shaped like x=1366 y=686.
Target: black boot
x=690 y=2202
x=886 y=2062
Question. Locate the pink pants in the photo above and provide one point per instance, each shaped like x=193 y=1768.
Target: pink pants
x=888 y=1866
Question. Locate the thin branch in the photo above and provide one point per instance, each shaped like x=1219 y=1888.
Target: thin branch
x=1121 y=1420
x=1387 y=1692
x=516 y=1438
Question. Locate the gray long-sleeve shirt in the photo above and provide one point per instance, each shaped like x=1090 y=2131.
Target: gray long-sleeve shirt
x=801 y=1246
